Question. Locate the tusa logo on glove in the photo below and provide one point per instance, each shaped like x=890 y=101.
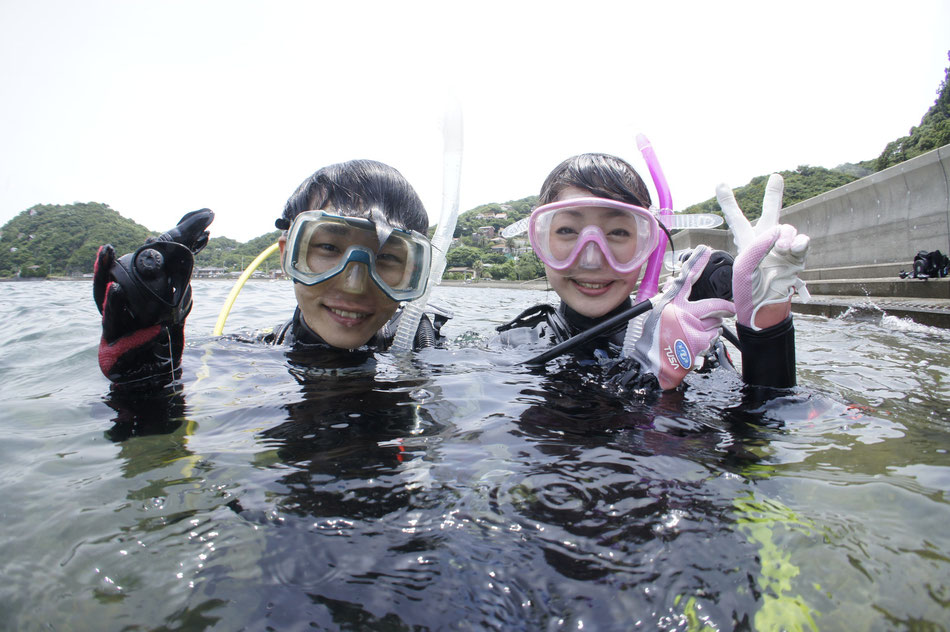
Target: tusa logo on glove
x=679 y=354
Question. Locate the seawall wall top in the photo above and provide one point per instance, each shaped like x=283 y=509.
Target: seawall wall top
x=886 y=217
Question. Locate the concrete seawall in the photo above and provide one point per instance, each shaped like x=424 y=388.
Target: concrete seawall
x=885 y=218
x=863 y=235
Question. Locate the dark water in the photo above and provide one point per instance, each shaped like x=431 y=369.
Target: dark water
x=453 y=490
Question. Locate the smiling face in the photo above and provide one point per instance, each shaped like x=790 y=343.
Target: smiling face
x=590 y=286
x=347 y=309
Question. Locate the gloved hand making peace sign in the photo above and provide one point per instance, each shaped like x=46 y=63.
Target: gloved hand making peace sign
x=770 y=257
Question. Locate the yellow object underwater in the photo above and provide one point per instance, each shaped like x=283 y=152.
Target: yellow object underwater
x=226 y=309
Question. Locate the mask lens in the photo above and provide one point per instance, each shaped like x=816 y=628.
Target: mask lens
x=395 y=262
x=625 y=234
x=321 y=245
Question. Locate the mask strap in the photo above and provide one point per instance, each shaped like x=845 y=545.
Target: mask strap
x=383 y=228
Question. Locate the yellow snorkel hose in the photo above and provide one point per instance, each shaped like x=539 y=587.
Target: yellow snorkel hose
x=226 y=309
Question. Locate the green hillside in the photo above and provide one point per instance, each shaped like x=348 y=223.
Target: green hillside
x=222 y=252
x=63 y=239
x=803 y=183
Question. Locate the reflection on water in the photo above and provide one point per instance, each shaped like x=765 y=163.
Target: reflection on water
x=456 y=490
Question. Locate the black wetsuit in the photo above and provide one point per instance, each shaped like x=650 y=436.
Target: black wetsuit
x=544 y=324
x=768 y=356
x=151 y=400
x=158 y=362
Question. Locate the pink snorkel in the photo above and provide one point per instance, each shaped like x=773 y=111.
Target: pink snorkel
x=651 y=278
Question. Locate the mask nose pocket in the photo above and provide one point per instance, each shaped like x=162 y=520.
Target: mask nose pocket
x=591 y=257
x=354 y=278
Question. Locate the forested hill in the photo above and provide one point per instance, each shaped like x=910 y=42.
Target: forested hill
x=63 y=239
x=803 y=183
x=233 y=255
x=51 y=239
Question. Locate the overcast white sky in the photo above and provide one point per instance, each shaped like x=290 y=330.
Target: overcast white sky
x=159 y=108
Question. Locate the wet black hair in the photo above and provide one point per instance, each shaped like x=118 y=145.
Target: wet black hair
x=353 y=188
x=602 y=174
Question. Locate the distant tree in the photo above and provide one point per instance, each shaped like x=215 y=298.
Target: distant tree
x=528 y=267
x=503 y=271
x=463 y=256
x=804 y=183
x=469 y=221
x=478 y=268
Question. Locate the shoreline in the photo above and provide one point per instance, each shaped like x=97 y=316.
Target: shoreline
x=535 y=284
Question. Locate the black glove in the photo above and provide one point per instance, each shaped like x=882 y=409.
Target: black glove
x=191 y=231
x=144 y=298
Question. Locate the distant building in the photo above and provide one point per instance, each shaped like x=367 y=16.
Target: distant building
x=466 y=273
x=210 y=273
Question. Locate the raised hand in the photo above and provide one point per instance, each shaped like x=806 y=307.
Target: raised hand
x=144 y=298
x=770 y=258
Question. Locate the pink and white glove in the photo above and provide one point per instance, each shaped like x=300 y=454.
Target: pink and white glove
x=770 y=257
x=678 y=330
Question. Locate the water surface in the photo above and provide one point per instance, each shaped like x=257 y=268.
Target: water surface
x=456 y=490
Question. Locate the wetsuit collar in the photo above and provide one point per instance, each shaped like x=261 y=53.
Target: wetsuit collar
x=578 y=322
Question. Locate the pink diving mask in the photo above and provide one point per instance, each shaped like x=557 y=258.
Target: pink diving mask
x=590 y=230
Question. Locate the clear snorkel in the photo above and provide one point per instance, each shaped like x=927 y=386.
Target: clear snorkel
x=451 y=180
